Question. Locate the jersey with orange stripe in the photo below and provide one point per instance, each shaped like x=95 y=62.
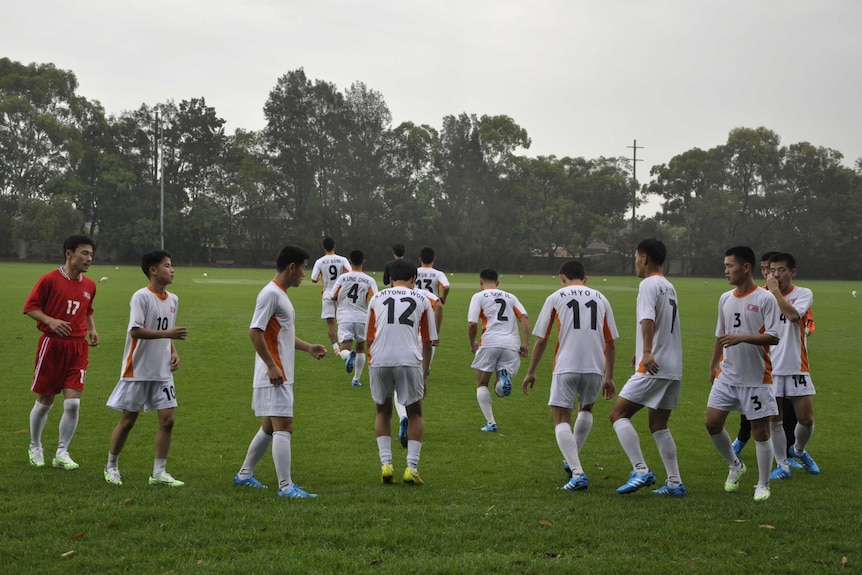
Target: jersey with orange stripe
x=754 y=312
x=149 y=359
x=275 y=317
x=399 y=320
x=657 y=301
x=352 y=291
x=498 y=312
x=329 y=268
x=790 y=356
x=585 y=321
x=431 y=279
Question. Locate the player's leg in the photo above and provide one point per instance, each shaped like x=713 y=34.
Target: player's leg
x=483 y=397
x=332 y=332
x=790 y=420
x=583 y=425
x=258 y=447
x=38 y=419
x=383 y=432
x=743 y=435
x=68 y=426
x=360 y=360
x=118 y=440
x=804 y=406
x=779 y=442
x=163 y=442
x=658 y=424
x=760 y=431
x=282 y=431
x=414 y=442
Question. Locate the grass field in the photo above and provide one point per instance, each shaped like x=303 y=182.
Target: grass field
x=490 y=503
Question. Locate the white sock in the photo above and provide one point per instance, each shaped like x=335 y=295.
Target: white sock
x=724 y=445
x=667 y=451
x=159 y=467
x=384 y=448
x=413 y=450
x=631 y=444
x=779 y=442
x=483 y=396
x=68 y=424
x=360 y=365
x=113 y=461
x=256 y=450
x=568 y=447
x=764 y=452
x=281 y=458
x=38 y=419
x=583 y=425
x=803 y=435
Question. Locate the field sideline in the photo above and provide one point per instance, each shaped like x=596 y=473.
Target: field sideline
x=491 y=503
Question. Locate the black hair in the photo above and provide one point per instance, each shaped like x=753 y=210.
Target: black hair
x=356 y=257
x=489 y=275
x=290 y=255
x=573 y=269
x=398 y=250
x=151 y=259
x=783 y=257
x=654 y=249
x=72 y=242
x=328 y=244
x=402 y=270
x=426 y=256
x=743 y=254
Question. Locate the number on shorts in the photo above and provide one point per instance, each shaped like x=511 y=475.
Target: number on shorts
x=755 y=399
x=169 y=392
x=800 y=380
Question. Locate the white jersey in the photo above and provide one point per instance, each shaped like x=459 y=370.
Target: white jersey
x=399 y=320
x=790 y=356
x=275 y=316
x=149 y=359
x=585 y=322
x=430 y=279
x=352 y=292
x=754 y=312
x=657 y=301
x=499 y=312
x=329 y=267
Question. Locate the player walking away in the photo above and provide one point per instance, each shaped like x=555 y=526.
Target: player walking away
x=329 y=267
x=400 y=331
x=273 y=334
x=432 y=280
x=397 y=254
x=583 y=361
x=790 y=368
x=740 y=370
x=352 y=292
x=61 y=302
x=501 y=346
x=657 y=379
x=146 y=372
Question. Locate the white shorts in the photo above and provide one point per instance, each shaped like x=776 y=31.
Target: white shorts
x=139 y=396
x=351 y=331
x=329 y=307
x=493 y=359
x=652 y=392
x=273 y=400
x=567 y=388
x=407 y=381
x=798 y=385
x=754 y=402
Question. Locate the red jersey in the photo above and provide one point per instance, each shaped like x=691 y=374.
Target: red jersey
x=61 y=297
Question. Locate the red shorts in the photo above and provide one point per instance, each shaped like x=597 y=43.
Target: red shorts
x=61 y=362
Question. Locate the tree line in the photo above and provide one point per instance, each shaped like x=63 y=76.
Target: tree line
x=331 y=162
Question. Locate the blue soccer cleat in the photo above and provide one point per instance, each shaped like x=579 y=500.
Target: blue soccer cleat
x=492 y=427
x=678 y=491
x=805 y=459
x=351 y=361
x=296 y=492
x=248 y=482
x=780 y=473
x=402 y=432
x=636 y=481
x=738 y=444
x=356 y=383
x=505 y=382
x=566 y=468
x=577 y=483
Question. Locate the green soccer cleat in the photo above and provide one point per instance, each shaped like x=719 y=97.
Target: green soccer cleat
x=166 y=479
x=732 y=482
x=65 y=462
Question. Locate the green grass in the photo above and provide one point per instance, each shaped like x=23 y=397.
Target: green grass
x=490 y=504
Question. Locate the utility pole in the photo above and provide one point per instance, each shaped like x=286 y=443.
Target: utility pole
x=634 y=147
x=161 y=174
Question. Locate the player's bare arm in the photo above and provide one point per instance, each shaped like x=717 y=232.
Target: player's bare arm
x=716 y=358
x=472 y=331
x=315 y=350
x=731 y=339
x=176 y=332
x=92 y=334
x=524 y=350
x=648 y=359
x=58 y=326
x=785 y=306
x=175 y=359
x=609 y=389
x=538 y=352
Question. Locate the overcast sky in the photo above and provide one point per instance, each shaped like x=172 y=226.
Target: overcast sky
x=584 y=78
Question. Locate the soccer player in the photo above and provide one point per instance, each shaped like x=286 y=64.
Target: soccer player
x=501 y=345
x=658 y=373
x=740 y=370
x=146 y=372
x=273 y=334
x=329 y=267
x=583 y=361
x=397 y=254
x=352 y=292
x=434 y=281
x=790 y=368
x=400 y=331
x=61 y=302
